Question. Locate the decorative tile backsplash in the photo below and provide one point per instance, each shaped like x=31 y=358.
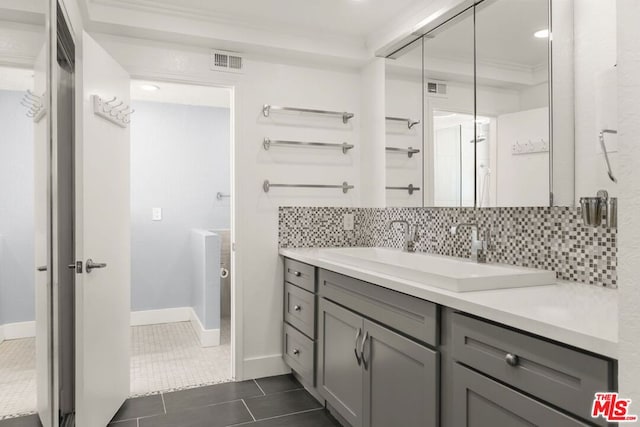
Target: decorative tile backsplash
x=539 y=237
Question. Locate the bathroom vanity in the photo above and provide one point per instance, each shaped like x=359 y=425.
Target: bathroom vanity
x=385 y=351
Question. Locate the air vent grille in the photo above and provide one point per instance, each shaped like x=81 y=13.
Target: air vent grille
x=437 y=88
x=226 y=61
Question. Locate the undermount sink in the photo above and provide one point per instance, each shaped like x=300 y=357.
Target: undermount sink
x=454 y=274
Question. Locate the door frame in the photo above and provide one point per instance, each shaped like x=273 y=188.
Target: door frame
x=233 y=84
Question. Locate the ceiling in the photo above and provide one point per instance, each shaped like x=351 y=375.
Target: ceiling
x=337 y=17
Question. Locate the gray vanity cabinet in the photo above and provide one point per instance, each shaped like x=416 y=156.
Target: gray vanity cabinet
x=372 y=376
x=340 y=375
x=482 y=402
x=400 y=380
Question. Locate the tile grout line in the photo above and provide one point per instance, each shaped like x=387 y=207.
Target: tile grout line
x=263 y=393
x=249 y=410
x=275 y=417
x=164 y=407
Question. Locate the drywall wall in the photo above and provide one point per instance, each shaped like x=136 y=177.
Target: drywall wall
x=629 y=228
x=205 y=277
x=594 y=54
x=180 y=159
x=17 y=272
x=258 y=267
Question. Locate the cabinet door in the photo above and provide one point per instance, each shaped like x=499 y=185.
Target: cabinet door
x=482 y=402
x=339 y=372
x=400 y=380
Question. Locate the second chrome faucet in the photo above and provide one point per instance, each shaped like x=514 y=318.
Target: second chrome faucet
x=410 y=234
x=479 y=247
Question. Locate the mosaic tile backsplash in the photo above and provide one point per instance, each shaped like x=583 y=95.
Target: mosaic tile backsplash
x=539 y=237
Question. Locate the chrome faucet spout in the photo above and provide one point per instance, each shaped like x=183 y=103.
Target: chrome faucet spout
x=410 y=234
x=479 y=247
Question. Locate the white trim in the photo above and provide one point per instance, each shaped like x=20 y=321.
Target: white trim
x=207 y=337
x=14 y=331
x=164 y=315
x=265 y=366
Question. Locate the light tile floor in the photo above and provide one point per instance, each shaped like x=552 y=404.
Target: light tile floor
x=169 y=357
x=17 y=377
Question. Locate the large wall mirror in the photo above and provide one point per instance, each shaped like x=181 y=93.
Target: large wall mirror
x=497 y=124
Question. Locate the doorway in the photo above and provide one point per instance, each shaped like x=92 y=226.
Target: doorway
x=181 y=210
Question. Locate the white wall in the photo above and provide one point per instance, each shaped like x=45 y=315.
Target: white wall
x=594 y=53
x=258 y=271
x=180 y=159
x=629 y=229
x=17 y=236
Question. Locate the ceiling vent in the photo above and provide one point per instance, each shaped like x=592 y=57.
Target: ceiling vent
x=226 y=61
x=437 y=89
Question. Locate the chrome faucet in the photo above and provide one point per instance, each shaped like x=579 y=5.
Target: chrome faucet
x=410 y=234
x=479 y=248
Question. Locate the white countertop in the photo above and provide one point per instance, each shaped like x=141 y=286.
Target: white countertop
x=579 y=315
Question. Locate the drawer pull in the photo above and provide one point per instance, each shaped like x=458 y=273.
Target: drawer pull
x=355 y=347
x=297 y=308
x=512 y=359
x=364 y=342
x=296 y=352
x=297 y=273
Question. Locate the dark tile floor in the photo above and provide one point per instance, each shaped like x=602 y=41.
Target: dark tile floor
x=267 y=402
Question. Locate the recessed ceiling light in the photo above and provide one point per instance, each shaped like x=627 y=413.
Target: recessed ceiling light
x=150 y=88
x=542 y=34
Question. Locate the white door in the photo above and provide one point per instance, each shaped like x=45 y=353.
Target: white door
x=102 y=230
x=42 y=204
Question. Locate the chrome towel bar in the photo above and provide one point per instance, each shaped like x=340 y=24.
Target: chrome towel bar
x=410 y=123
x=267 y=109
x=266 y=186
x=410 y=188
x=267 y=143
x=410 y=151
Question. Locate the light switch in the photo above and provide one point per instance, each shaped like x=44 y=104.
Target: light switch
x=348 y=222
x=156 y=214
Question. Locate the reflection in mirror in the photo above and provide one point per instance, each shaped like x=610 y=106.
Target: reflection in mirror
x=448 y=87
x=404 y=154
x=512 y=95
x=24 y=255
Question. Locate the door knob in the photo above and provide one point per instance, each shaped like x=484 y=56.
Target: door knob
x=42 y=268
x=92 y=265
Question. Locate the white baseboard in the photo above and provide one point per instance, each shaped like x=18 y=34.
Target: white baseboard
x=207 y=337
x=164 y=315
x=14 y=331
x=264 y=366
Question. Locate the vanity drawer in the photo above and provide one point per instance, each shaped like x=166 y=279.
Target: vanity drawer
x=298 y=273
x=299 y=309
x=558 y=375
x=411 y=316
x=298 y=353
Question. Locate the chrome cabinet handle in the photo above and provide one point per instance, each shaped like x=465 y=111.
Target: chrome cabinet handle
x=297 y=308
x=296 y=352
x=512 y=359
x=297 y=273
x=93 y=265
x=355 y=347
x=364 y=341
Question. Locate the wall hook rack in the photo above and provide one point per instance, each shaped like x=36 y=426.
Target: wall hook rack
x=34 y=105
x=113 y=110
